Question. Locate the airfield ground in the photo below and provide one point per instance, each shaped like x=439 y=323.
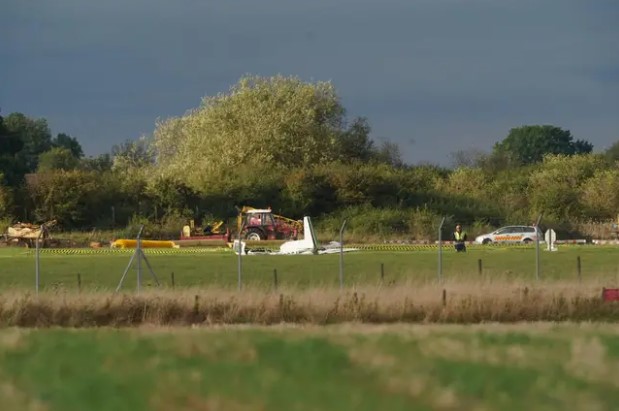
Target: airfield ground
x=102 y=269
x=377 y=344
x=351 y=367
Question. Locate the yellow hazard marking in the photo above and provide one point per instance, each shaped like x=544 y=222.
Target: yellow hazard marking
x=112 y=251
x=508 y=237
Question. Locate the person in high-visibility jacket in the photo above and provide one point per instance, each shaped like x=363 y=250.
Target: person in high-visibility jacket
x=459 y=239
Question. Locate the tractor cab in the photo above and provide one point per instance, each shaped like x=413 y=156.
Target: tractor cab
x=261 y=224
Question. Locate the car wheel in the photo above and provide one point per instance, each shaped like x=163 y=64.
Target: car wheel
x=253 y=235
x=527 y=241
x=486 y=241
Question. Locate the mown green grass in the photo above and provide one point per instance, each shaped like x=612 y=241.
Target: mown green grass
x=350 y=367
x=17 y=267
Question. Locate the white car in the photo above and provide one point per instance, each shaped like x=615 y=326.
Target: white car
x=511 y=234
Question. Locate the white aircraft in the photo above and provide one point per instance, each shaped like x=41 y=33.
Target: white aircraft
x=308 y=245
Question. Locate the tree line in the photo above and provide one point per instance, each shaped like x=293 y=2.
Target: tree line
x=288 y=144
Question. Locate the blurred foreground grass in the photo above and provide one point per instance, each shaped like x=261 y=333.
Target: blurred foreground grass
x=346 y=367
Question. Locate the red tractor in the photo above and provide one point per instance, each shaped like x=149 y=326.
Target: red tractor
x=261 y=224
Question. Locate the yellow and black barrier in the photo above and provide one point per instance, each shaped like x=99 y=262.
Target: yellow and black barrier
x=210 y=250
x=113 y=251
x=421 y=247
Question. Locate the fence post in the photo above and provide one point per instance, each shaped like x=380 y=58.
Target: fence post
x=79 y=282
x=440 y=250
x=239 y=262
x=172 y=282
x=579 y=269
x=275 y=278
x=382 y=272
x=538 y=230
x=444 y=297
x=37 y=279
x=479 y=266
x=342 y=255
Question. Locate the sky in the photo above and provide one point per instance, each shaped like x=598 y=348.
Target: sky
x=434 y=76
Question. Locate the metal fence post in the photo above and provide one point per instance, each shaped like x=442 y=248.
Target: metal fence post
x=537 y=262
x=440 y=250
x=239 y=260
x=138 y=252
x=342 y=254
x=37 y=263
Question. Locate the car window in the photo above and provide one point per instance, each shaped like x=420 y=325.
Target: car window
x=503 y=230
x=529 y=229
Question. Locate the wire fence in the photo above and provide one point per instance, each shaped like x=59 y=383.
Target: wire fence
x=391 y=266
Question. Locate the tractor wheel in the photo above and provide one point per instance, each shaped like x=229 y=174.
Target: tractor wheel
x=254 y=234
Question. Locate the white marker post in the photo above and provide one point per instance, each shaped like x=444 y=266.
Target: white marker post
x=550 y=236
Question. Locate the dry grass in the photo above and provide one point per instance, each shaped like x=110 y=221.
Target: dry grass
x=464 y=302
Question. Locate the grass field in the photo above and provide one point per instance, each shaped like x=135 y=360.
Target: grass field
x=103 y=271
x=537 y=366
x=373 y=359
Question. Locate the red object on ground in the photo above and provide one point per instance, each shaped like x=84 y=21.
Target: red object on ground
x=610 y=294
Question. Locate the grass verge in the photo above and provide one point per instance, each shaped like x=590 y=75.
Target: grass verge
x=449 y=303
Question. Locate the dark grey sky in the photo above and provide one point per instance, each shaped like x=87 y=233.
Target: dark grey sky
x=433 y=75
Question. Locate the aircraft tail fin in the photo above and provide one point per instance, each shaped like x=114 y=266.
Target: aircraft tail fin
x=309 y=234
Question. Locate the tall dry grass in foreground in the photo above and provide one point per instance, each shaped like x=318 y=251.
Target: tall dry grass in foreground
x=431 y=303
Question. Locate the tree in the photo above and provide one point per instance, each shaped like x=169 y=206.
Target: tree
x=554 y=188
x=58 y=158
x=5 y=201
x=529 y=144
x=600 y=194
x=612 y=152
x=132 y=155
x=471 y=157
x=70 y=143
x=10 y=145
x=355 y=142
x=100 y=163
x=35 y=136
x=275 y=121
x=389 y=153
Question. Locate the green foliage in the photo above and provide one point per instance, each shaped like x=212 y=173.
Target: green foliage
x=366 y=221
x=423 y=224
x=131 y=156
x=66 y=196
x=171 y=194
x=365 y=184
x=275 y=122
x=389 y=153
x=355 y=143
x=612 y=152
x=554 y=187
x=285 y=143
x=35 y=136
x=600 y=194
x=168 y=227
x=529 y=144
x=58 y=158
x=465 y=182
x=70 y=143
x=310 y=191
x=100 y=163
x=10 y=145
x=5 y=202
x=261 y=121
x=508 y=190
x=467 y=158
